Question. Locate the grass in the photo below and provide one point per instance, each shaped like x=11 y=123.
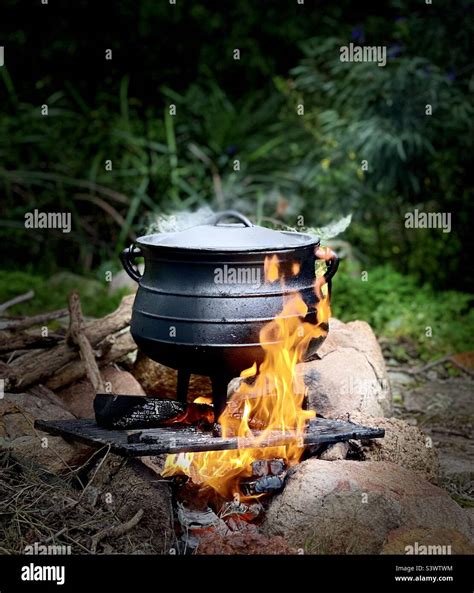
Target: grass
x=397 y=307
x=52 y=293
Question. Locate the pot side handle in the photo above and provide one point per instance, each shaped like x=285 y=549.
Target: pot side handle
x=127 y=257
x=332 y=262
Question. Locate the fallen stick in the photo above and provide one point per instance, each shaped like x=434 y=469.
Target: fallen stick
x=117 y=530
x=420 y=370
x=77 y=336
x=76 y=370
x=16 y=324
x=27 y=341
x=16 y=300
x=42 y=366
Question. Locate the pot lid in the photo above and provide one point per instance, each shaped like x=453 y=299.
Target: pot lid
x=219 y=236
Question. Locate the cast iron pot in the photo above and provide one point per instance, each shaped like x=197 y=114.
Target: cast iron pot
x=203 y=299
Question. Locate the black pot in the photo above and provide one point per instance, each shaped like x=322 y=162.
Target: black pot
x=203 y=299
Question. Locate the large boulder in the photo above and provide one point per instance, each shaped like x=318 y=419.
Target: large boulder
x=350 y=374
x=351 y=506
x=18 y=413
x=403 y=444
x=79 y=397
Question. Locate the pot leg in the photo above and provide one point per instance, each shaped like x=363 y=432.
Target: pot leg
x=219 y=394
x=183 y=385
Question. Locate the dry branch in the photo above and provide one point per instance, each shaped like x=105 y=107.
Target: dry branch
x=15 y=301
x=16 y=324
x=77 y=336
x=117 y=530
x=41 y=367
x=27 y=340
x=76 y=370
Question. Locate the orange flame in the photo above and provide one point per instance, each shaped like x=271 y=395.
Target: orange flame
x=273 y=402
x=271 y=268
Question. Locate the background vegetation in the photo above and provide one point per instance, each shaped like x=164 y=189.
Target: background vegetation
x=290 y=165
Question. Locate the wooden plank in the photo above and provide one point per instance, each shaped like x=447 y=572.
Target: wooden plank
x=178 y=439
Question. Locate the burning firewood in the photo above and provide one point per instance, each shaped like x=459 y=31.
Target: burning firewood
x=263 y=485
x=130 y=412
x=268 y=476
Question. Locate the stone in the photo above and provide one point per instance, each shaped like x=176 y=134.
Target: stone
x=470 y=519
x=121 y=281
x=79 y=397
x=161 y=381
x=403 y=444
x=335 y=452
x=345 y=506
x=18 y=413
x=350 y=374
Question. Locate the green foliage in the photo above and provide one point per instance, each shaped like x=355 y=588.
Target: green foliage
x=52 y=293
x=397 y=307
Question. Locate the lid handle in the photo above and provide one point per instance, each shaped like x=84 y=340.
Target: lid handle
x=231 y=213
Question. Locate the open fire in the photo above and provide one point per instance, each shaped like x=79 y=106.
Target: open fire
x=268 y=401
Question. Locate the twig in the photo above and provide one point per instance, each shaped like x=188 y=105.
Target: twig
x=27 y=341
x=77 y=336
x=21 y=298
x=432 y=364
x=34 y=320
x=420 y=370
x=117 y=530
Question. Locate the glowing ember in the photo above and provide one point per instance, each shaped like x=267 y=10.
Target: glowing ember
x=274 y=400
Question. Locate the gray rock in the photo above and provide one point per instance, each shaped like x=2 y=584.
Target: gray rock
x=403 y=444
x=335 y=452
x=79 y=397
x=122 y=281
x=352 y=506
x=18 y=413
x=351 y=374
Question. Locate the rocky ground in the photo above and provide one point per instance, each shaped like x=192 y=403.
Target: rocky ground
x=415 y=485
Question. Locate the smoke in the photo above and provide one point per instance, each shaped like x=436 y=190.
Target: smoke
x=180 y=221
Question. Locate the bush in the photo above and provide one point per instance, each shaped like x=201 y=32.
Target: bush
x=397 y=307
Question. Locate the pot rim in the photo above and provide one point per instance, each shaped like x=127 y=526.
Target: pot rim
x=150 y=241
